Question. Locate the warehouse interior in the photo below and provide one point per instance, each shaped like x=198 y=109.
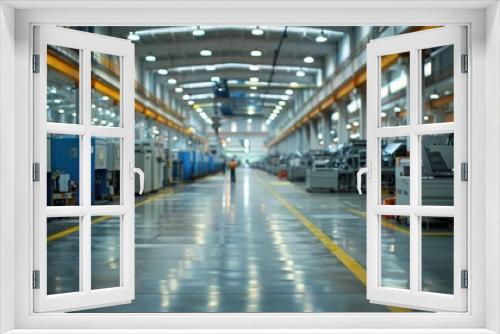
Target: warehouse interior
x=288 y=104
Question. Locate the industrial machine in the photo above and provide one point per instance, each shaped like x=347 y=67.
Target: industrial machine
x=297 y=166
x=437 y=173
x=63 y=170
x=350 y=158
x=157 y=166
x=323 y=172
x=143 y=160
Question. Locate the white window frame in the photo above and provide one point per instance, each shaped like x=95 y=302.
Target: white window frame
x=15 y=267
x=85 y=43
x=414 y=297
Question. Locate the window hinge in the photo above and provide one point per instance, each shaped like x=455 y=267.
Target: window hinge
x=36 y=63
x=464 y=284
x=36 y=279
x=465 y=64
x=36 y=172
x=464 y=171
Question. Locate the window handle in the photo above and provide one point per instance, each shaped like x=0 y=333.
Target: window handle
x=135 y=170
x=361 y=171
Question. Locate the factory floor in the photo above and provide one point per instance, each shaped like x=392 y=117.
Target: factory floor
x=259 y=245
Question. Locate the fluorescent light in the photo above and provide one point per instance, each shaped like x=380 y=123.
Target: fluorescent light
x=254 y=67
x=95 y=119
x=74 y=114
x=383 y=114
x=61 y=111
x=253 y=87
x=308 y=60
x=105 y=98
x=150 y=58
x=57 y=101
x=179 y=89
x=257 y=31
x=352 y=107
x=215 y=79
x=199 y=109
x=300 y=73
x=172 y=81
x=162 y=71
x=397 y=109
x=355 y=123
x=251 y=112
x=289 y=92
x=428 y=69
x=284 y=98
x=211 y=68
x=348 y=126
x=278 y=107
x=252 y=95
x=186 y=97
x=205 y=53
x=103 y=122
x=426 y=118
x=249 y=120
x=198 y=32
x=190 y=102
x=255 y=53
x=254 y=79
x=133 y=36
x=294 y=84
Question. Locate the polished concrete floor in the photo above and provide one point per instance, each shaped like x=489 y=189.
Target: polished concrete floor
x=252 y=246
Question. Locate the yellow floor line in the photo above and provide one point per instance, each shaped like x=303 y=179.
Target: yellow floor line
x=71 y=230
x=349 y=262
x=401 y=229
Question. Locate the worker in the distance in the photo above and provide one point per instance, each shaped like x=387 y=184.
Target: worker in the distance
x=232 y=167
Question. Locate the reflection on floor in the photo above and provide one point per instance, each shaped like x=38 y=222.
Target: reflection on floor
x=253 y=246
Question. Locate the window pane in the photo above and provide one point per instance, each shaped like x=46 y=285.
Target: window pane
x=105 y=252
x=437 y=84
x=395 y=171
x=437 y=169
x=105 y=100
x=63 y=255
x=105 y=171
x=394 y=90
x=395 y=251
x=437 y=254
x=63 y=85
x=63 y=170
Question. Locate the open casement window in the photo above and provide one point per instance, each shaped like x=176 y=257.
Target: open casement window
x=83 y=170
x=416 y=182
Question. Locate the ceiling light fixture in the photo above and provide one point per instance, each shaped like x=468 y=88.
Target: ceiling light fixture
x=205 y=53
x=211 y=67
x=215 y=79
x=300 y=73
x=255 y=53
x=186 y=97
x=254 y=68
x=162 y=71
x=133 y=36
x=397 y=109
x=308 y=60
x=434 y=96
x=179 y=89
x=253 y=87
x=172 y=81
x=294 y=84
x=190 y=102
x=282 y=103
x=257 y=31
x=198 y=32
x=61 y=111
x=150 y=58
x=321 y=38
x=289 y=92
x=254 y=79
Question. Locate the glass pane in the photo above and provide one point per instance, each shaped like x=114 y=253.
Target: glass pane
x=105 y=97
x=395 y=251
x=63 y=170
x=105 y=171
x=437 y=254
x=105 y=252
x=63 y=85
x=437 y=84
x=63 y=255
x=394 y=90
x=437 y=169
x=395 y=171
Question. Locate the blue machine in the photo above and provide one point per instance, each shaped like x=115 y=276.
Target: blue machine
x=99 y=172
x=64 y=160
x=186 y=157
